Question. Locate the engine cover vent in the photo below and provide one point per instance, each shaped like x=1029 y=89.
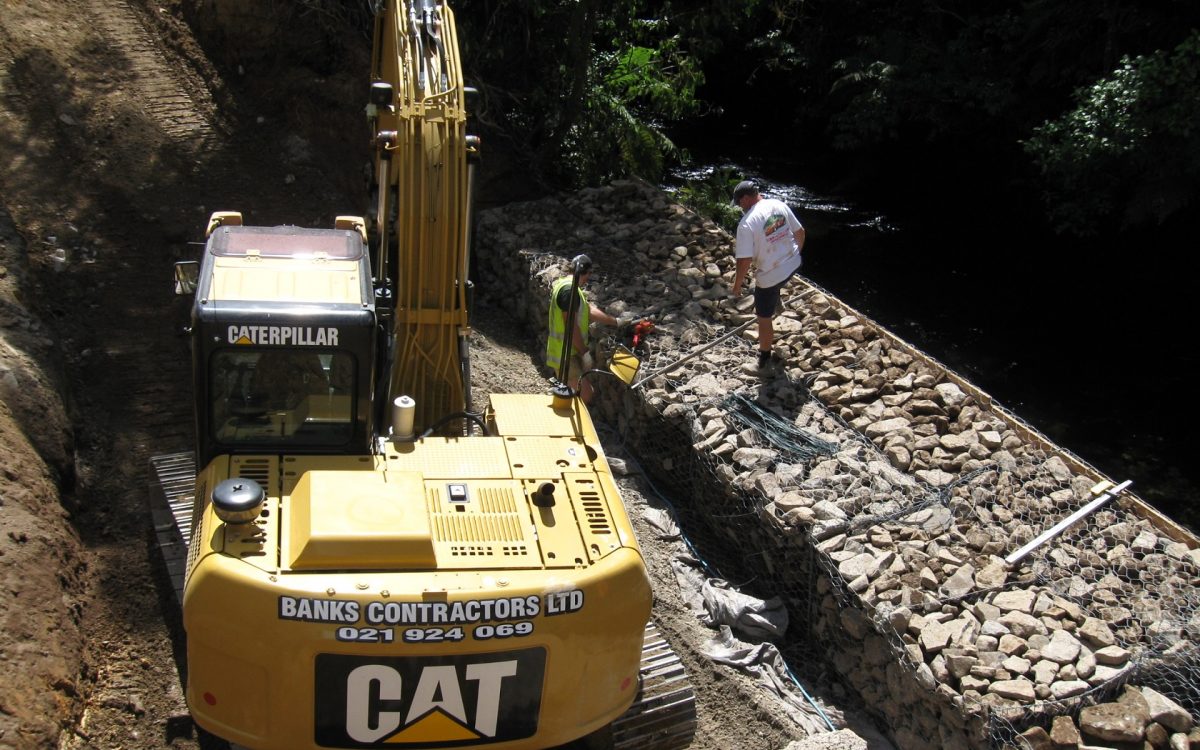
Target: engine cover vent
x=489 y=530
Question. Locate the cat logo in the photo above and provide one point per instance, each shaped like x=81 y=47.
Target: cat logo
x=421 y=702
x=244 y=335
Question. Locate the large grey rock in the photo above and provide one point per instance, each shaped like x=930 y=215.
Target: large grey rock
x=955 y=443
x=899 y=618
x=971 y=682
x=936 y=636
x=1023 y=625
x=1018 y=600
x=935 y=477
x=1015 y=665
x=1045 y=671
x=950 y=394
x=1017 y=690
x=1145 y=542
x=858 y=565
x=1166 y=711
x=1063 y=648
x=751 y=458
x=1096 y=633
x=828 y=511
x=1037 y=738
x=883 y=427
x=1085 y=666
x=1112 y=656
x=1064 y=733
x=959 y=665
x=1057 y=468
x=959 y=584
x=1115 y=722
x=992 y=575
x=1105 y=674
x=1067 y=688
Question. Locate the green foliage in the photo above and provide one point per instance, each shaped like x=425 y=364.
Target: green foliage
x=914 y=90
x=869 y=115
x=631 y=91
x=927 y=75
x=1129 y=152
x=584 y=89
x=776 y=52
x=662 y=80
x=709 y=196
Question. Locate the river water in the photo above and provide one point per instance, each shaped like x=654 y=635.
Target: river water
x=1084 y=343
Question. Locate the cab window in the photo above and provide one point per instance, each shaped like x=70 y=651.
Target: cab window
x=300 y=397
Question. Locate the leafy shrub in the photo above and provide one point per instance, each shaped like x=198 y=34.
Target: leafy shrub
x=1129 y=152
x=709 y=196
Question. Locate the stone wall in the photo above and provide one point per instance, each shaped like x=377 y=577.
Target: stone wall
x=920 y=487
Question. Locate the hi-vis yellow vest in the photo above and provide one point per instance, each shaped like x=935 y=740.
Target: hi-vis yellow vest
x=558 y=324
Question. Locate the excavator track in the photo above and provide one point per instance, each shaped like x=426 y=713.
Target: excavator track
x=172 y=96
x=172 y=487
x=662 y=717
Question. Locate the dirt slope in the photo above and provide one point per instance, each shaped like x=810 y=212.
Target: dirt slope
x=117 y=138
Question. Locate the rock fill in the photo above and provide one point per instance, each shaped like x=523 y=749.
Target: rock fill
x=907 y=520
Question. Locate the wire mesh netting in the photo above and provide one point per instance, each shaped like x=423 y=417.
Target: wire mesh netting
x=878 y=495
x=788 y=497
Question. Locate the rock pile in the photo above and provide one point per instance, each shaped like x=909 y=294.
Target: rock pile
x=929 y=485
x=1139 y=718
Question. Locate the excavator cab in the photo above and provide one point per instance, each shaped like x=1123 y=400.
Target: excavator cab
x=284 y=336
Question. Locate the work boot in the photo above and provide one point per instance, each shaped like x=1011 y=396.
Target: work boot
x=767 y=363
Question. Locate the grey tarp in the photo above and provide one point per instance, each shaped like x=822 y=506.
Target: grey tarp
x=718 y=604
x=764 y=662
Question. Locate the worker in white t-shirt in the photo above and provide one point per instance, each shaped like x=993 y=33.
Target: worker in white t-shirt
x=771 y=238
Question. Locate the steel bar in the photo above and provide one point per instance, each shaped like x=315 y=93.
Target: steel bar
x=701 y=350
x=1058 y=528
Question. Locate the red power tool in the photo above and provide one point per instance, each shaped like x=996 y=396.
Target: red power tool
x=641 y=329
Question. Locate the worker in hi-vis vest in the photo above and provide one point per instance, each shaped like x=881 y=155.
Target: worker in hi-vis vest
x=585 y=313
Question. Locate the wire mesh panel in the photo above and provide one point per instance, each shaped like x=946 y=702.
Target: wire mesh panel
x=876 y=492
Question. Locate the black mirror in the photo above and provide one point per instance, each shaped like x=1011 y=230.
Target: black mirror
x=187 y=276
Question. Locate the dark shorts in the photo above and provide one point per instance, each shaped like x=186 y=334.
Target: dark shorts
x=767 y=299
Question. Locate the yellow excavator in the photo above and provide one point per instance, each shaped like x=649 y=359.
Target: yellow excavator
x=362 y=561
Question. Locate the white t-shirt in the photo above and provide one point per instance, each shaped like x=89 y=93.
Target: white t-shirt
x=766 y=233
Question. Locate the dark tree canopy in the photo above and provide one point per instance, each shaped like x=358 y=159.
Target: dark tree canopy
x=1085 y=103
x=1129 y=151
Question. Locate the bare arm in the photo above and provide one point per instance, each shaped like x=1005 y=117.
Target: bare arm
x=603 y=317
x=743 y=268
x=799 y=234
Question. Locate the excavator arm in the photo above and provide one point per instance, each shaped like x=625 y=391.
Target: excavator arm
x=422 y=189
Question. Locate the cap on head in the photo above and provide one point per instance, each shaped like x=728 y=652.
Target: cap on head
x=582 y=264
x=744 y=188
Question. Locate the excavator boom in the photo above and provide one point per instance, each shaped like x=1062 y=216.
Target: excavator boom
x=422 y=209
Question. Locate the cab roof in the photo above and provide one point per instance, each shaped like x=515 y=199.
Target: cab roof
x=285 y=242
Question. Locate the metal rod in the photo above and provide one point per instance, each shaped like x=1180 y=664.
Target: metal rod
x=1058 y=528
x=701 y=350
x=564 y=366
